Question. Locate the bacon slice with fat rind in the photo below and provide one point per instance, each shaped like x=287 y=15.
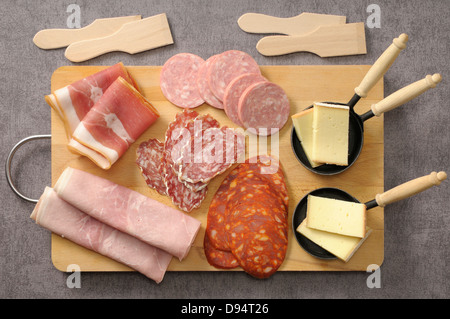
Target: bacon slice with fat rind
x=120 y=116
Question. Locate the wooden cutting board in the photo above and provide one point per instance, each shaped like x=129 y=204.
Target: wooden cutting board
x=303 y=85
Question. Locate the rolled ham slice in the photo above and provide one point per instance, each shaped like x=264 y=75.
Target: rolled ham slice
x=129 y=211
x=119 y=117
x=74 y=101
x=56 y=215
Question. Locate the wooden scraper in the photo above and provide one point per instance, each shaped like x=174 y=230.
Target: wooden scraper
x=132 y=37
x=59 y=38
x=298 y=25
x=325 y=41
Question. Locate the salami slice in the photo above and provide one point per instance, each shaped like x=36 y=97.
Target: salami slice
x=250 y=188
x=218 y=149
x=178 y=80
x=149 y=160
x=234 y=91
x=258 y=243
x=182 y=197
x=263 y=108
x=218 y=258
x=203 y=87
x=176 y=136
x=216 y=218
x=270 y=167
x=226 y=67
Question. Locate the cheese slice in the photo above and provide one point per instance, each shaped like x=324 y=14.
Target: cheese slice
x=303 y=128
x=330 y=134
x=343 y=247
x=336 y=216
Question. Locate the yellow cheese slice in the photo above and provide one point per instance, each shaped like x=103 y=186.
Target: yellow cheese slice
x=336 y=216
x=343 y=247
x=330 y=134
x=303 y=128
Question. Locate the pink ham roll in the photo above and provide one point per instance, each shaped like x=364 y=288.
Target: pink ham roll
x=74 y=101
x=119 y=117
x=56 y=215
x=129 y=211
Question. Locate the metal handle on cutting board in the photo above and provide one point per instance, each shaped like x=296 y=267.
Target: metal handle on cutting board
x=9 y=162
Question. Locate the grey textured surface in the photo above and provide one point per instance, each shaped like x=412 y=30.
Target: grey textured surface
x=417 y=142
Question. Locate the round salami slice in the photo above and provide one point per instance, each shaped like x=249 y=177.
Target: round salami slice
x=253 y=188
x=218 y=258
x=270 y=167
x=226 y=67
x=234 y=91
x=258 y=243
x=216 y=218
x=203 y=87
x=178 y=80
x=149 y=160
x=263 y=108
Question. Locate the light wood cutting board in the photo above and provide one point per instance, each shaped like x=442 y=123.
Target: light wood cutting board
x=303 y=85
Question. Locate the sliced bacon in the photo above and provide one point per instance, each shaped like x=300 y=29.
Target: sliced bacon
x=129 y=211
x=119 y=117
x=56 y=215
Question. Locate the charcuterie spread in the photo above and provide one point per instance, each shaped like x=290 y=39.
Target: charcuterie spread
x=247 y=220
x=58 y=216
x=225 y=81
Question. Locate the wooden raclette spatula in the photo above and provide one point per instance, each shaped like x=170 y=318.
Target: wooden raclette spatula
x=298 y=25
x=132 y=37
x=325 y=41
x=59 y=38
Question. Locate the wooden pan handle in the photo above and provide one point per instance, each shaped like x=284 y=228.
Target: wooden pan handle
x=380 y=67
x=410 y=188
x=406 y=94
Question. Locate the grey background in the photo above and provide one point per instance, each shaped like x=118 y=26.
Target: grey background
x=417 y=142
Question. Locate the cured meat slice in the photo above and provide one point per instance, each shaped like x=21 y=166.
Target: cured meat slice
x=218 y=258
x=211 y=153
x=258 y=243
x=234 y=91
x=217 y=213
x=182 y=196
x=191 y=145
x=129 y=211
x=74 y=101
x=251 y=188
x=263 y=108
x=178 y=80
x=203 y=87
x=248 y=217
x=149 y=160
x=270 y=168
x=176 y=137
x=56 y=215
x=119 y=117
x=226 y=67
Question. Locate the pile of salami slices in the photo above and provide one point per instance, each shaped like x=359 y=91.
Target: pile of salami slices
x=247 y=222
x=195 y=150
x=231 y=81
